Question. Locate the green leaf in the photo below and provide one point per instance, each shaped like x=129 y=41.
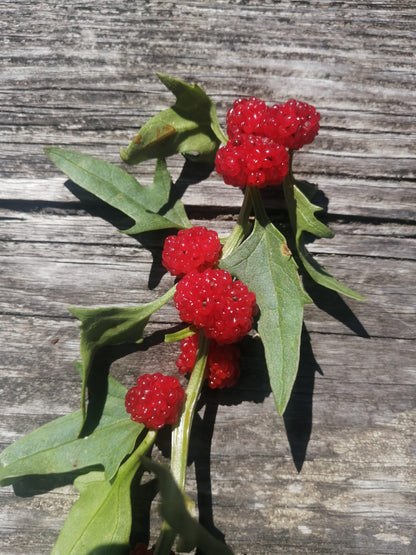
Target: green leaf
x=101 y=327
x=102 y=515
x=55 y=448
x=190 y=126
x=264 y=263
x=298 y=195
x=175 y=513
x=149 y=207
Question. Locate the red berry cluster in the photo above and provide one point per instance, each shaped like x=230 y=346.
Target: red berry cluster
x=191 y=249
x=213 y=301
x=252 y=160
x=210 y=300
x=223 y=362
x=248 y=158
x=155 y=400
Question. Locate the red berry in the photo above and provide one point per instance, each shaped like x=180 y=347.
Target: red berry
x=155 y=400
x=196 y=248
x=293 y=124
x=246 y=116
x=186 y=360
x=252 y=160
x=223 y=362
x=223 y=365
x=212 y=301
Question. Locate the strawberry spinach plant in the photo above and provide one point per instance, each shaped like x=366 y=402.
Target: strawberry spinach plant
x=222 y=289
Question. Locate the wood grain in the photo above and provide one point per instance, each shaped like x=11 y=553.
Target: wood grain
x=338 y=473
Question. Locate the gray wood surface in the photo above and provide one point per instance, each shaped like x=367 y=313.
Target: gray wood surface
x=337 y=475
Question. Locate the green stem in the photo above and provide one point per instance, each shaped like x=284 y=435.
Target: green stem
x=140 y=451
x=145 y=444
x=242 y=227
x=181 y=435
x=258 y=206
x=288 y=184
x=182 y=432
x=166 y=296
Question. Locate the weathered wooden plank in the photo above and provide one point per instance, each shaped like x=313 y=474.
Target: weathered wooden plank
x=341 y=465
x=389 y=199
x=34 y=286
x=84 y=76
x=55 y=224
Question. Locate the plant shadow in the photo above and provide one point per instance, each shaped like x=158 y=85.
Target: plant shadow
x=333 y=304
x=98 y=377
x=297 y=417
x=38 y=484
x=254 y=385
x=192 y=173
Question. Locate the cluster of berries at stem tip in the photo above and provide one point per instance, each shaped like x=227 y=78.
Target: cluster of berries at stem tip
x=261 y=139
x=210 y=301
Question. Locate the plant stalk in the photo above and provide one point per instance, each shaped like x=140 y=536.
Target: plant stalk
x=181 y=435
x=258 y=206
x=241 y=228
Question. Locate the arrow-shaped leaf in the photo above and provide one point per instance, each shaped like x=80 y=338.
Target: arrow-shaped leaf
x=101 y=327
x=264 y=263
x=190 y=126
x=55 y=448
x=302 y=212
x=149 y=207
x=101 y=517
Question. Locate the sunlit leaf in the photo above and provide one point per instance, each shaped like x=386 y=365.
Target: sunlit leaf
x=151 y=207
x=302 y=212
x=55 y=448
x=101 y=519
x=264 y=263
x=101 y=516
x=189 y=127
x=101 y=327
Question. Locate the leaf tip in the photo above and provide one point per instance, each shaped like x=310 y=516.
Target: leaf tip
x=73 y=310
x=123 y=155
x=49 y=150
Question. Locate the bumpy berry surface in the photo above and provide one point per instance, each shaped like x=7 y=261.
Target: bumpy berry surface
x=252 y=160
x=155 y=400
x=293 y=124
x=186 y=360
x=248 y=115
x=196 y=248
x=212 y=301
x=223 y=365
x=223 y=362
